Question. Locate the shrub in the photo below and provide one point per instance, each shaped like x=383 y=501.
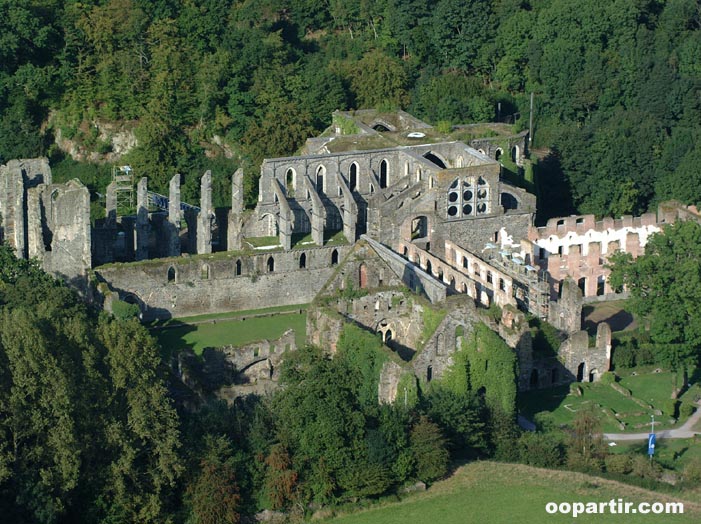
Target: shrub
x=643 y=468
x=685 y=410
x=692 y=472
x=624 y=356
x=124 y=311
x=543 y=450
x=608 y=378
x=670 y=407
x=429 y=448
x=622 y=464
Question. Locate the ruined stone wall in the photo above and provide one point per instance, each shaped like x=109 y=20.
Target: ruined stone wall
x=207 y=284
x=512 y=147
x=49 y=222
x=436 y=355
x=579 y=246
x=58 y=223
x=585 y=363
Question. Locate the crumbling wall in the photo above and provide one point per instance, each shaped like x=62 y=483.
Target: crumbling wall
x=201 y=284
x=59 y=229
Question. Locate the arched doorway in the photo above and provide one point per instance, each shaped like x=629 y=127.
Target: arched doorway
x=302 y=261
x=271 y=264
x=171 y=275
x=580 y=372
x=334 y=257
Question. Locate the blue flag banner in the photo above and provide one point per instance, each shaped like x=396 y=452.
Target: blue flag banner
x=651 y=444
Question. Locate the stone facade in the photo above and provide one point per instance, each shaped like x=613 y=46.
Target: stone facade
x=46 y=221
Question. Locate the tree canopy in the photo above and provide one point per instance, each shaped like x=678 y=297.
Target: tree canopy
x=665 y=288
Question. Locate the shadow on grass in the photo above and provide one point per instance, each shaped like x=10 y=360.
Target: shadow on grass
x=619 y=321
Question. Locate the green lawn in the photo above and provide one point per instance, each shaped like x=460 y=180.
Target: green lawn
x=230 y=332
x=652 y=388
x=672 y=454
x=487 y=492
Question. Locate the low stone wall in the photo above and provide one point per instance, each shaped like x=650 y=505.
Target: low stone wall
x=188 y=286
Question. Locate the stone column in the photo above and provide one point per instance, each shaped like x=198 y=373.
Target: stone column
x=111 y=205
x=174 y=217
x=142 y=227
x=204 y=221
x=318 y=213
x=350 y=210
x=235 y=230
x=285 y=219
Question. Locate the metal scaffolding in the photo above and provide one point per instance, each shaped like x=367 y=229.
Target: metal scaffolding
x=123 y=181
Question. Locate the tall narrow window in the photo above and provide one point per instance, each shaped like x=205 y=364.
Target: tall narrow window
x=334 y=257
x=384 y=174
x=290 y=181
x=353 y=176
x=320 y=179
x=238 y=268
x=271 y=264
x=302 y=261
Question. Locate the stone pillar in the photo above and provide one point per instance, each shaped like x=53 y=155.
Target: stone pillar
x=350 y=210
x=603 y=344
x=174 y=217
x=285 y=218
x=142 y=226
x=111 y=205
x=35 y=217
x=12 y=206
x=234 y=238
x=318 y=213
x=204 y=221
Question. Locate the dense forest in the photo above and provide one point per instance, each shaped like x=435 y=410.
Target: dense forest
x=617 y=85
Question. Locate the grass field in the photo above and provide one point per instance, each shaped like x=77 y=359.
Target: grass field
x=198 y=333
x=488 y=492
x=672 y=454
x=652 y=388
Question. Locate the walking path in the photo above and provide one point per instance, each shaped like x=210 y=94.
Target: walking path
x=685 y=431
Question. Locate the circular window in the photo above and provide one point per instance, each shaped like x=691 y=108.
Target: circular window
x=467 y=195
x=453 y=197
x=452 y=211
x=481 y=193
x=467 y=209
x=481 y=207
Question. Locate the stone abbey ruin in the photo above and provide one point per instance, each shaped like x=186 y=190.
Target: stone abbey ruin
x=378 y=219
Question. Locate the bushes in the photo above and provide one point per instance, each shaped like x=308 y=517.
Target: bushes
x=124 y=311
x=685 y=410
x=608 y=378
x=428 y=445
x=670 y=408
x=543 y=450
x=621 y=464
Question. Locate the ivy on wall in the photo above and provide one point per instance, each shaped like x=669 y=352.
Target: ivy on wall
x=485 y=364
